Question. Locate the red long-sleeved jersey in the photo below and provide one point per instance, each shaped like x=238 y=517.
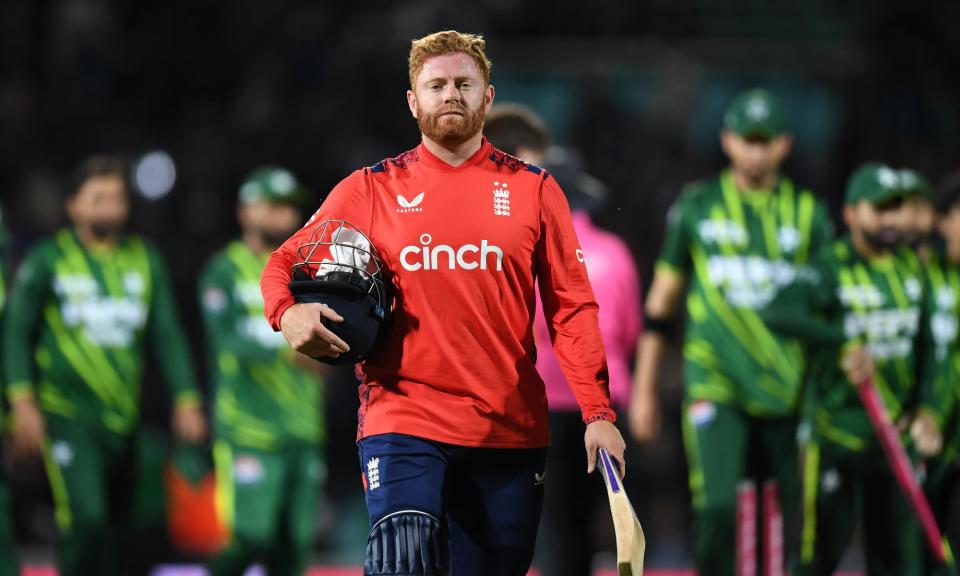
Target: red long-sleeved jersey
x=462 y=247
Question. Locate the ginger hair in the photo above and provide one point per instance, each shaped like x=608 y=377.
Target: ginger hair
x=448 y=42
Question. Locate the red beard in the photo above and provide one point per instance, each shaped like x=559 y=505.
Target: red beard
x=451 y=130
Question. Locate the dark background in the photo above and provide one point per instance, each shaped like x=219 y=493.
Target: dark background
x=637 y=87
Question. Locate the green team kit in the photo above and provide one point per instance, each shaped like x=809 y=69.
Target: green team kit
x=878 y=303
x=74 y=338
x=866 y=293
x=738 y=249
x=267 y=423
x=941 y=386
x=940 y=363
x=8 y=555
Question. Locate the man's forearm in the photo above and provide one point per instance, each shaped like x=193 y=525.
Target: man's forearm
x=651 y=345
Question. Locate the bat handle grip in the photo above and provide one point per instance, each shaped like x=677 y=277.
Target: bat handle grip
x=609 y=468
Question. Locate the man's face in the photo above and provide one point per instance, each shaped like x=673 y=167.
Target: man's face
x=100 y=205
x=274 y=223
x=450 y=99
x=921 y=221
x=949 y=227
x=755 y=157
x=883 y=225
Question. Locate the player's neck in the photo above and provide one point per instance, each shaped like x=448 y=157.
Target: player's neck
x=457 y=154
x=254 y=241
x=745 y=183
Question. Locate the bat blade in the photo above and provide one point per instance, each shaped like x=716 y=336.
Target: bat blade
x=631 y=543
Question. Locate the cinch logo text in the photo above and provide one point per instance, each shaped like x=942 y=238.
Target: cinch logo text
x=467 y=257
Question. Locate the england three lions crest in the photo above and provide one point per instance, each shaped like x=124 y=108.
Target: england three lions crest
x=501 y=199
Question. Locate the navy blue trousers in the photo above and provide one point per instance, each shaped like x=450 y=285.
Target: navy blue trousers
x=489 y=498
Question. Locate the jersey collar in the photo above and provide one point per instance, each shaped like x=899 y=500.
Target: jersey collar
x=432 y=161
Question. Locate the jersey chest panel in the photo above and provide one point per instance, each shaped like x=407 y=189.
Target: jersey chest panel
x=455 y=225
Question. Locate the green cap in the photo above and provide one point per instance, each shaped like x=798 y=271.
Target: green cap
x=272 y=184
x=876 y=183
x=914 y=183
x=755 y=113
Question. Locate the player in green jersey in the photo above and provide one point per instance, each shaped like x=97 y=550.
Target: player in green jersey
x=81 y=309
x=862 y=313
x=938 y=334
x=732 y=242
x=268 y=404
x=8 y=553
x=942 y=367
x=921 y=227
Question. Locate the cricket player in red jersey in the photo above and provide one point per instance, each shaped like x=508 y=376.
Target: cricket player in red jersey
x=453 y=424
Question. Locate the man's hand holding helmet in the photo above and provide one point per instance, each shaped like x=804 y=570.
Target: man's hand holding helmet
x=303 y=327
x=341 y=296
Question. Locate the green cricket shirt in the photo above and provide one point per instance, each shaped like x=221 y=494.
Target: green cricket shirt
x=940 y=360
x=876 y=302
x=262 y=399
x=738 y=249
x=76 y=325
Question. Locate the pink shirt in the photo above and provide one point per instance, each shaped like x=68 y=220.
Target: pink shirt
x=616 y=286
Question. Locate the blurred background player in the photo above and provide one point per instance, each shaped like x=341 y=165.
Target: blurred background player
x=453 y=425
x=565 y=543
x=267 y=402
x=938 y=333
x=732 y=243
x=8 y=552
x=81 y=308
x=861 y=312
x=921 y=233
x=941 y=364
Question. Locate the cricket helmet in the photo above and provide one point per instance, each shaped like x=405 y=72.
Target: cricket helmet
x=340 y=267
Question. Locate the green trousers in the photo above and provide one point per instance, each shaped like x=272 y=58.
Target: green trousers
x=724 y=445
x=842 y=487
x=268 y=499
x=8 y=549
x=91 y=473
x=942 y=488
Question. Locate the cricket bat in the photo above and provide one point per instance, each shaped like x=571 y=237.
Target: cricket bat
x=903 y=471
x=630 y=540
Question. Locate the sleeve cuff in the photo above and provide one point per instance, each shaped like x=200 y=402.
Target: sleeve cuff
x=278 y=313
x=188 y=399
x=606 y=415
x=19 y=390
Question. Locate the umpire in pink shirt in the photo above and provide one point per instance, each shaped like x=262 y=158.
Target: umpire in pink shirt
x=565 y=543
